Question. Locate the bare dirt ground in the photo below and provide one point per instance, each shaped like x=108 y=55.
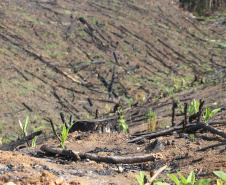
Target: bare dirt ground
x=57 y=56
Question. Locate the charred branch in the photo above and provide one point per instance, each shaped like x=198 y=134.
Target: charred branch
x=13 y=145
x=97 y=158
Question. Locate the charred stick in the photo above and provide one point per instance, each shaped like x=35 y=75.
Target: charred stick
x=151 y=135
x=201 y=103
x=64 y=120
x=54 y=131
x=70 y=27
x=83 y=21
x=97 y=113
x=209 y=128
x=107 y=159
x=90 y=102
x=25 y=105
x=18 y=71
x=116 y=58
x=212 y=146
x=173 y=113
x=185 y=117
x=112 y=82
x=71 y=120
x=13 y=145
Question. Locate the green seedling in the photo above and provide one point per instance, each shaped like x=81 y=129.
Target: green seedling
x=222 y=175
x=159 y=182
x=122 y=124
x=194 y=107
x=64 y=135
x=33 y=143
x=151 y=118
x=192 y=136
x=210 y=114
x=189 y=181
x=24 y=127
x=141 y=178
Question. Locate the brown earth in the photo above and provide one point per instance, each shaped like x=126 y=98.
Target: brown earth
x=48 y=67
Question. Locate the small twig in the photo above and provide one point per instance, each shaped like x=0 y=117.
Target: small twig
x=201 y=103
x=173 y=113
x=157 y=173
x=71 y=120
x=54 y=131
x=90 y=102
x=116 y=58
x=97 y=114
x=18 y=71
x=185 y=117
x=25 y=105
x=63 y=120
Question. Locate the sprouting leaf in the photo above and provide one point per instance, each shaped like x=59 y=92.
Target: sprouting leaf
x=140 y=180
x=21 y=126
x=19 y=131
x=191 y=177
x=174 y=179
x=26 y=125
x=214 y=111
x=196 y=106
x=183 y=180
x=221 y=174
x=204 y=181
x=207 y=115
x=219 y=182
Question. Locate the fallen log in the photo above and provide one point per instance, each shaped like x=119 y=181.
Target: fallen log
x=13 y=145
x=209 y=128
x=151 y=135
x=106 y=159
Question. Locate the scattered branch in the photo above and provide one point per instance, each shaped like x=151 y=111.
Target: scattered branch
x=212 y=146
x=54 y=131
x=13 y=145
x=185 y=117
x=107 y=159
x=179 y=128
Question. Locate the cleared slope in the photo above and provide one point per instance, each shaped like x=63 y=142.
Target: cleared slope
x=47 y=66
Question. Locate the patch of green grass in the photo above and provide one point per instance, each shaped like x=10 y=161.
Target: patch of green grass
x=64 y=135
x=151 y=118
x=67 y=12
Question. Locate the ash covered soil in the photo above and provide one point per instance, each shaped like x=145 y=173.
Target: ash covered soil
x=78 y=57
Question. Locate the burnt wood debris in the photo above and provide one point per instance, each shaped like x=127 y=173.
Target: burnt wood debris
x=110 y=125
x=107 y=159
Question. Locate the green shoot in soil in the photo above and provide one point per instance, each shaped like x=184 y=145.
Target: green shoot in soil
x=64 y=135
x=24 y=127
x=122 y=124
x=33 y=143
x=210 y=114
x=151 y=120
